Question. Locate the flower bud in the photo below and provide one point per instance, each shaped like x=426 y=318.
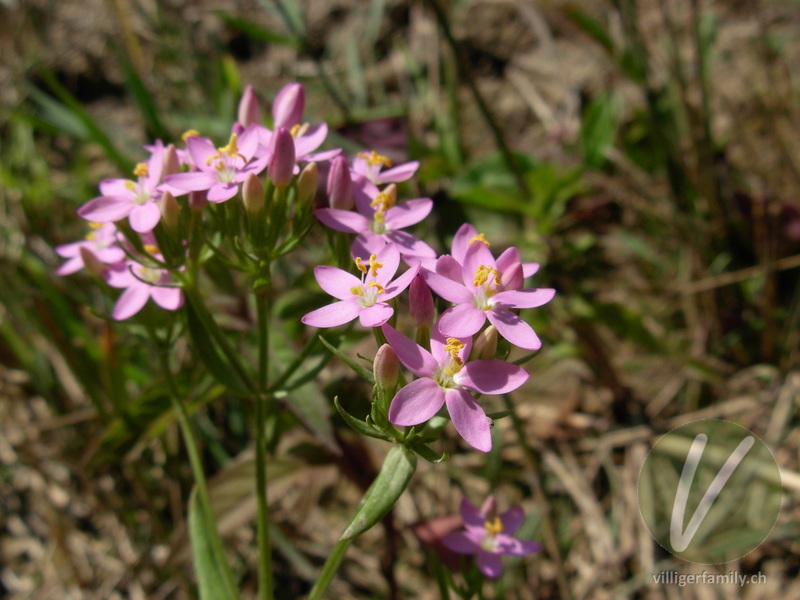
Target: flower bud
x=197 y=200
x=172 y=163
x=307 y=183
x=170 y=210
x=288 y=106
x=253 y=194
x=485 y=346
x=93 y=264
x=420 y=302
x=340 y=185
x=280 y=168
x=512 y=278
x=386 y=368
x=249 y=110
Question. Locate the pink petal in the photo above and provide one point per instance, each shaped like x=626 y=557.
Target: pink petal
x=514 y=329
x=248 y=140
x=461 y=241
x=321 y=156
x=508 y=545
x=508 y=258
x=375 y=315
x=461 y=542
x=144 y=217
x=416 y=359
x=201 y=149
x=512 y=520
x=115 y=187
x=220 y=192
x=343 y=220
x=450 y=267
x=131 y=301
x=439 y=341
x=110 y=255
x=71 y=250
x=367 y=243
x=469 y=419
x=106 y=209
x=168 y=298
x=120 y=276
x=333 y=315
x=336 y=282
x=472 y=517
x=408 y=213
x=511 y=278
x=489 y=564
x=288 y=106
x=462 y=320
x=450 y=290
x=529 y=269
x=71 y=266
x=524 y=298
x=398 y=173
x=390 y=258
x=310 y=140
x=399 y=284
x=365 y=192
x=408 y=245
x=196 y=181
x=491 y=376
x=417 y=402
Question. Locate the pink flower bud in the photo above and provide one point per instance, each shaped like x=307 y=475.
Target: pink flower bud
x=386 y=368
x=170 y=210
x=249 y=110
x=287 y=109
x=307 y=183
x=420 y=302
x=512 y=278
x=340 y=185
x=253 y=194
x=172 y=163
x=197 y=200
x=485 y=346
x=280 y=168
x=93 y=264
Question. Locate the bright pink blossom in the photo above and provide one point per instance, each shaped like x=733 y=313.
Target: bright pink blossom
x=489 y=537
x=365 y=298
x=141 y=284
x=102 y=241
x=446 y=379
x=475 y=289
x=512 y=270
x=369 y=166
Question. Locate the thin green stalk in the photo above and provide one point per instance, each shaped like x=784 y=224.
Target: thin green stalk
x=266 y=584
x=194 y=455
x=329 y=569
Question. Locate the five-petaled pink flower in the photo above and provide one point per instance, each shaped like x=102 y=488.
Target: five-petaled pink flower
x=136 y=200
x=476 y=290
x=102 y=241
x=489 y=537
x=142 y=283
x=446 y=378
x=369 y=166
x=219 y=170
x=365 y=298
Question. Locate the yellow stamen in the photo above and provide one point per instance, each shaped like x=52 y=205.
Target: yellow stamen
x=130 y=185
x=385 y=199
x=141 y=170
x=357 y=290
x=453 y=347
x=375 y=284
x=373 y=158
x=190 y=133
x=482 y=275
x=361 y=267
x=493 y=527
x=479 y=238
x=151 y=249
x=231 y=149
x=379 y=217
x=90 y=236
x=93 y=225
x=299 y=130
x=374 y=265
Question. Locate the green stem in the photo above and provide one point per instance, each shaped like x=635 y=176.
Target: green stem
x=329 y=569
x=266 y=584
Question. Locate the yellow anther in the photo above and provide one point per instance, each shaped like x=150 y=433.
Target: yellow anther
x=482 y=275
x=478 y=238
x=141 y=170
x=357 y=290
x=231 y=149
x=130 y=185
x=374 y=265
x=360 y=266
x=374 y=158
x=94 y=225
x=90 y=236
x=493 y=527
x=299 y=130
x=453 y=347
x=190 y=133
x=379 y=217
x=151 y=249
x=375 y=284
x=385 y=199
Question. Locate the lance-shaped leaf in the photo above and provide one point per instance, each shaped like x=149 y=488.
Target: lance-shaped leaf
x=214 y=577
x=395 y=474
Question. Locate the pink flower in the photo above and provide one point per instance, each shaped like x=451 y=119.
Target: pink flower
x=142 y=283
x=364 y=298
x=369 y=166
x=489 y=537
x=476 y=290
x=445 y=378
x=219 y=170
x=379 y=219
x=101 y=241
x=135 y=200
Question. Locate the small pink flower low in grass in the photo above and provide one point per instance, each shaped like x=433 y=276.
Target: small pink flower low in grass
x=101 y=241
x=476 y=290
x=365 y=298
x=141 y=284
x=446 y=378
x=489 y=537
x=378 y=169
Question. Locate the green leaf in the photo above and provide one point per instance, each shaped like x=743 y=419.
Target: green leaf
x=358 y=425
x=214 y=577
x=599 y=128
x=395 y=474
x=429 y=453
x=257 y=32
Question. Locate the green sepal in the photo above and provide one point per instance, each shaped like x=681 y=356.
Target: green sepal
x=428 y=453
x=360 y=426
